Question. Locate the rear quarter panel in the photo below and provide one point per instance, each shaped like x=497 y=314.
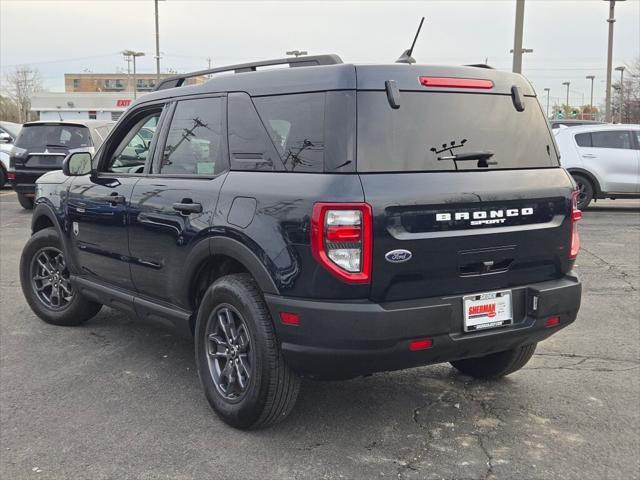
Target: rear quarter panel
x=276 y=227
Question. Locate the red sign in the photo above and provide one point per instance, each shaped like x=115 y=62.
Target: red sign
x=123 y=102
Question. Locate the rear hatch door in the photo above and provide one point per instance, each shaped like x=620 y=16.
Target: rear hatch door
x=43 y=146
x=444 y=226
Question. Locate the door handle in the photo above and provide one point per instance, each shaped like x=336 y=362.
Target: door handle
x=113 y=199
x=187 y=207
x=588 y=155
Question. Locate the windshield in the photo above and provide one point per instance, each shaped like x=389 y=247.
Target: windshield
x=41 y=137
x=438 y=131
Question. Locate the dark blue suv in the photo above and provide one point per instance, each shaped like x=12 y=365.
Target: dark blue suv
x=326 y=220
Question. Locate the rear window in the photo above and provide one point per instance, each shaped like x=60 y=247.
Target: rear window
x=295 y=124
x=41 y=137
x=430 y=125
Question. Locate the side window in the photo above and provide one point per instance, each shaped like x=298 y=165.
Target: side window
x=611 y=139
x=133 y=150
x=583 y=139
x=296 y=126
x=194 y=142
x=249 y=144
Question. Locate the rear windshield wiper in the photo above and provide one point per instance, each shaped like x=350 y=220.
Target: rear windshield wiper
x=54 y=145
x=481 y=157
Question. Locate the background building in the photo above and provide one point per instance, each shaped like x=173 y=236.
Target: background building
x=80 y=105
x=110 y=82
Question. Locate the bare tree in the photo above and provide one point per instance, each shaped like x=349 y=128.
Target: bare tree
x=8 y=110
x=20 y=85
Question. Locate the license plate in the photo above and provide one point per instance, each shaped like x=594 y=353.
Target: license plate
x=487 y=310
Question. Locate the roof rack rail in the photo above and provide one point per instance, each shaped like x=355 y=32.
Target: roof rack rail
x=306 y=61
x=480 y=65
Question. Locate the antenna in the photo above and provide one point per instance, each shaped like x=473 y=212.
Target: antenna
x=406 y=55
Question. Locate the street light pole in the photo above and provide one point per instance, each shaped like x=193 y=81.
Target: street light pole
x=567 y=84
x=621 y=70
x=517 y=40
x=611 y=20
x=548 y=90
x=591 y=77
x=296 y=53
x=157 y=45
x=133 y=54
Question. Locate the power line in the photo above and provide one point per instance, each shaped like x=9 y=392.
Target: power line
x=61 y=60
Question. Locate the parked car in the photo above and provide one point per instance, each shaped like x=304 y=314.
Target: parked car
x=41 y=146
x=604 y=160
x=8 y=133
x=572 y=123
x=330 y=220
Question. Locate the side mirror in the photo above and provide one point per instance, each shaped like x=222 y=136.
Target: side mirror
x=5 y=138
x=77 y=164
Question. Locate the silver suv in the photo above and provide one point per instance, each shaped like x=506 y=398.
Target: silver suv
x=604 y=160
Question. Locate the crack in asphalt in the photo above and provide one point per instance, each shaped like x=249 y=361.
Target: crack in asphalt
x=489 y=473
x=614 y=268
x=581 y=364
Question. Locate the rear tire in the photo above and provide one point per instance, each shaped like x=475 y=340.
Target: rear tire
x=45 y=282
x=3 y=177
x=241 y=368
x=496 y=365
x=25 y=202
x=585 y=191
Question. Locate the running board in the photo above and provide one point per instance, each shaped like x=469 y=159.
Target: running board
x=129 y=302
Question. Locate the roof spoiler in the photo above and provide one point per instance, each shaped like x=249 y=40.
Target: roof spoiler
x=305 y=61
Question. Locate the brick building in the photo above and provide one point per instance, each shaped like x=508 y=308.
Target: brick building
x=110 y=82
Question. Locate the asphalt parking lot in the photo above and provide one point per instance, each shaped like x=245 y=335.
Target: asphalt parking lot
x=115 y=399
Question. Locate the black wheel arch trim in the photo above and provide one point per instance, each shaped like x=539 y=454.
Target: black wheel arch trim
x=597 y=191
x=43 y=209
x=245 y=256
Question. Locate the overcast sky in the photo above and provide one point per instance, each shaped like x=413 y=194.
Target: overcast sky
x=569 y=38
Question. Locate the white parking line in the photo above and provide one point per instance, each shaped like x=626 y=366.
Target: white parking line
x=7 y=193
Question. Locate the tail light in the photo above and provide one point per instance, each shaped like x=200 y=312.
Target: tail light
x=341 y=239
x=11 y=176
x=575 y=216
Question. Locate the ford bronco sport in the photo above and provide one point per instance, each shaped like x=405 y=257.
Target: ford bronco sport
x=326 y=220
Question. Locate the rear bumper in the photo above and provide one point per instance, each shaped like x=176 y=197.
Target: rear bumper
x=25 y=181
x=348 y=339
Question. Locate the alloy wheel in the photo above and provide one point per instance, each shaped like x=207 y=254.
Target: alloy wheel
x=229 y=352
x=50 y=278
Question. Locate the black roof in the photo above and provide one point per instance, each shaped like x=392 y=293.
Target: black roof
x=329 y=73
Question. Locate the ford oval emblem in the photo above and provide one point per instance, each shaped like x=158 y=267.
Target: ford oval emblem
x=398 y=256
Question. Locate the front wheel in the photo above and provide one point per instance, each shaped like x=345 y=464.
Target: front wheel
x=46 y=284
x=244 y=376
x=25 y=201
x=496 y=365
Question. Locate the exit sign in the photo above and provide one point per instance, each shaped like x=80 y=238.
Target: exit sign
x=123 y=102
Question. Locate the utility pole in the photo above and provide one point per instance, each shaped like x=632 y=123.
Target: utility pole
x=157 y=45
x=209 y=62
x=567 y=84
x=591 y=77
x=611 y=20
x=548 y=90
x=621 y=70
x=517 y=41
